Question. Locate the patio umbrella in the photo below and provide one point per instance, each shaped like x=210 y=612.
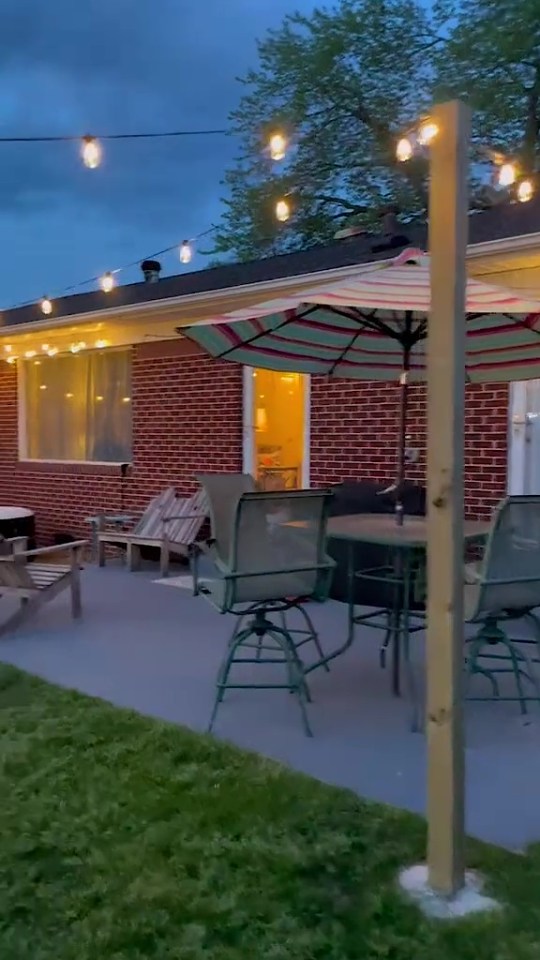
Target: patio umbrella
x=374 y=326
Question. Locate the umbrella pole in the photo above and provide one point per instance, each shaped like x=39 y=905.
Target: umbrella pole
x=402 y=438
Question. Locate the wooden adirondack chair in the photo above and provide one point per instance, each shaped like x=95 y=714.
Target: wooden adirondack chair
x=169 y=523
x=36 y=583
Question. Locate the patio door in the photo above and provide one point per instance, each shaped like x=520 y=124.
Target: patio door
x=276 y=428
x=524 y=439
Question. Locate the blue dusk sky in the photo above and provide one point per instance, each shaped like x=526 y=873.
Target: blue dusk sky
x=114 y=66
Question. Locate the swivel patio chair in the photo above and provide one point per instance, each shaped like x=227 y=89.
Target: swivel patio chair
x=502 y=588
x=223 y=492
x=273 y=561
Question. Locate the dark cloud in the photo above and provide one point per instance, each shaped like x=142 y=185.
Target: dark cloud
x=105 y=66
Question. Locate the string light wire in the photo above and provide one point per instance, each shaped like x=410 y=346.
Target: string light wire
x=97 y=278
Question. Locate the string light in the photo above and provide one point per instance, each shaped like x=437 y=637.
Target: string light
x=404 y=150
x=185 y=252
x=101 y=343
x=11 y=359
x=30 y=353
x=106 y=282
x=507 y=174
x=46 y=306
x=525 y=191
x=427 y=131
x=8 y=348
x=52 y=351
x=282 y=211
x=278 y=146
x=91 y=152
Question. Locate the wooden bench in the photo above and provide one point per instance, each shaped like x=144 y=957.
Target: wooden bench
x=36 y=583
x=169 y=524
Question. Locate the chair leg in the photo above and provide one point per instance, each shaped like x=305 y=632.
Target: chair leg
x=101 y=553
x=164 y=558
x=295 y=672
x=235 y=642
x=76 y=606
x=133 y=557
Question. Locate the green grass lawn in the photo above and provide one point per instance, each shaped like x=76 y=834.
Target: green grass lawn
x=123 y=839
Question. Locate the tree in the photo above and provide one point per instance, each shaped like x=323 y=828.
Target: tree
x=492 y=58
x=344 y=82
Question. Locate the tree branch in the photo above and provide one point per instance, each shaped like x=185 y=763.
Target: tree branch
x=341 y=201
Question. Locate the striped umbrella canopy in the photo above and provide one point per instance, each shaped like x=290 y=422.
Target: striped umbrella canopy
x=374 y=325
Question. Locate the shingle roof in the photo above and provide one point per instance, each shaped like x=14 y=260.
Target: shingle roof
x=508 y=220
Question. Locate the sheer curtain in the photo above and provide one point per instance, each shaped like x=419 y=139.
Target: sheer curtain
x=78 y=407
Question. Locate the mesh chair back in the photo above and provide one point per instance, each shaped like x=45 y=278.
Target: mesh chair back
x=510 y=575
x=223 y=491
x=278 y=551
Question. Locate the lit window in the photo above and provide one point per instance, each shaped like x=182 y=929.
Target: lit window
x=75 y=407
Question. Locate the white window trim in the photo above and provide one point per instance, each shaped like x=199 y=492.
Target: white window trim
x=22 y=436
x=517 y=440
x=248 y=431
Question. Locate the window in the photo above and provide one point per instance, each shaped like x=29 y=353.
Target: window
x=77 y=407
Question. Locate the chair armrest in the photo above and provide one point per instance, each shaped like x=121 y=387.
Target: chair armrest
x=19 y=544
x=185 y=516
x=56 y=548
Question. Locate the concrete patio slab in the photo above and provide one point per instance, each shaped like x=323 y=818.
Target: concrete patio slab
x=157 y=650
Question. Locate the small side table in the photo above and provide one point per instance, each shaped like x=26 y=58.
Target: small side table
x=117 y=520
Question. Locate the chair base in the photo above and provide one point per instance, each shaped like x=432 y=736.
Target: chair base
x=493 y=644
x=268 y=642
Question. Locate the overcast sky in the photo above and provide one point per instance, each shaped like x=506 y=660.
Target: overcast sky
x=109 y=66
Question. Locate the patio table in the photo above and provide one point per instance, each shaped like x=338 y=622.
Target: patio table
x=406 y=545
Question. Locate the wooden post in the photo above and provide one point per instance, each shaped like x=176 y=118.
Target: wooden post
x=448 y=228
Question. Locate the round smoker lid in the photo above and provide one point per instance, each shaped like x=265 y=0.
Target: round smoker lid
x=15 y=513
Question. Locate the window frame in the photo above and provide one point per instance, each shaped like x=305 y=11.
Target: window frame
x=22 y=434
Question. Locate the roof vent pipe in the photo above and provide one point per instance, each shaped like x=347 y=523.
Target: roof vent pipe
x=151 y=270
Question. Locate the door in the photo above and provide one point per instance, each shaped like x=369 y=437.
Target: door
x=524 y=446
x=276 y=428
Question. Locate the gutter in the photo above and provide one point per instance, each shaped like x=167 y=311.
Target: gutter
x=474 y=251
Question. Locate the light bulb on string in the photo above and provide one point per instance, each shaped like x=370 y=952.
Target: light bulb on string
x=11 y=359
x=186 y=252
x=46 y=306
x=91 y=152
x=282 y=211
x=278 y=146
x=106 y=282
x=404 y=150
x=525 y=191
x=427 y=131
x=507 y=174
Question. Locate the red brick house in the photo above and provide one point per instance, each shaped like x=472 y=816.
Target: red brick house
x=105 y=380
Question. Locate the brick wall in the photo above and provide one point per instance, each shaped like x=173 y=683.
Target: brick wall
x=187 y=417
x=354 y=430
